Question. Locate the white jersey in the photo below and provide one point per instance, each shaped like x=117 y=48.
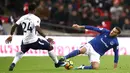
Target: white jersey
x=28 y=22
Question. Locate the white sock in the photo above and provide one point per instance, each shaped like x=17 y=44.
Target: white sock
x=18 y=57
x=53 y=56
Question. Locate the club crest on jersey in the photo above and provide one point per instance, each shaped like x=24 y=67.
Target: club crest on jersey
x=111 y=43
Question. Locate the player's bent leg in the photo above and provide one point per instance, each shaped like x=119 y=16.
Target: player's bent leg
x=94 y=58
x=47 y=46
x=16 y=59
x=54 y=57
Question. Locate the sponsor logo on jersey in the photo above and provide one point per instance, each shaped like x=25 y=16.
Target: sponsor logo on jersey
x=104 y=42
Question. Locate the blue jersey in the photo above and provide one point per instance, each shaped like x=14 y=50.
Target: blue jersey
x=103 y=42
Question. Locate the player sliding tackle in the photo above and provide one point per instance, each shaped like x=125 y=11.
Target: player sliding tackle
x=30 y=24
x=96 y=47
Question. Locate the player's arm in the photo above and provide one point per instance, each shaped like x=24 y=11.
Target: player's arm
x=50 y=40
x=100 y=30
x=40 y=31
x=9 y=39
x=116 y=56
x=13 y=29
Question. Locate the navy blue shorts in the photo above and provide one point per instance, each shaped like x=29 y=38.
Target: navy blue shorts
x=39 y=44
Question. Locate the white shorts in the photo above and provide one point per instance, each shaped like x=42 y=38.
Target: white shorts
x=92 y=54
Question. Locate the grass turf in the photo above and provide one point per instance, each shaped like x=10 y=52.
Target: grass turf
x=45 y=65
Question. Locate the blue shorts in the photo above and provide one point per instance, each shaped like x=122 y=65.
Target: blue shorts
x=39 y=44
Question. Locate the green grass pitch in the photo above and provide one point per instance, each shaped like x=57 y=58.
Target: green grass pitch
x=45 y=65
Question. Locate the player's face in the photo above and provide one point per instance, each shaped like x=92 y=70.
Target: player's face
x=114 y=32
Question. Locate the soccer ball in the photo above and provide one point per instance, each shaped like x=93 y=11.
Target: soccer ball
x=68 y=64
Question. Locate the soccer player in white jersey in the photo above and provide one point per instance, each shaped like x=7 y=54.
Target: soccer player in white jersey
x=30 y=24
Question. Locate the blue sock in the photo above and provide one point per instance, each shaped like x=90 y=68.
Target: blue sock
x=88 y=67
x=72 y=54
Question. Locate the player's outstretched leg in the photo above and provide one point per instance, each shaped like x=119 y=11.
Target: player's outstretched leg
x=72 y=54
x=16 y=59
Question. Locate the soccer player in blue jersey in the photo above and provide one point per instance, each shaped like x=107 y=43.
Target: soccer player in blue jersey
x=96 y=47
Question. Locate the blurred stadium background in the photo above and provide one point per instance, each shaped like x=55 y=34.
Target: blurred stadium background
x=58 y=15
x=57 y=18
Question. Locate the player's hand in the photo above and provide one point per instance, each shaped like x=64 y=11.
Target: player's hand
x=115 y=65
x=75 y=26
x=8 y=40
x=50 y=40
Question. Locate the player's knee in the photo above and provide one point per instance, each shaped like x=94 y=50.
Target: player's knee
x=95 y=67
x=50 y=48
x=82 y=50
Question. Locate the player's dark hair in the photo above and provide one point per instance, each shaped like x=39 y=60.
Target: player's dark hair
x=32 y=7
x=119 y=29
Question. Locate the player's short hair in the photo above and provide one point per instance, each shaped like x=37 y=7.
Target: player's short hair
x=32 y=7
x=119 y=29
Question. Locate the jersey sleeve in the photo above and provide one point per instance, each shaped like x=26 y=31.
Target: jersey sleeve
x=19 y=21
x=37 y=22
x=100 y=30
